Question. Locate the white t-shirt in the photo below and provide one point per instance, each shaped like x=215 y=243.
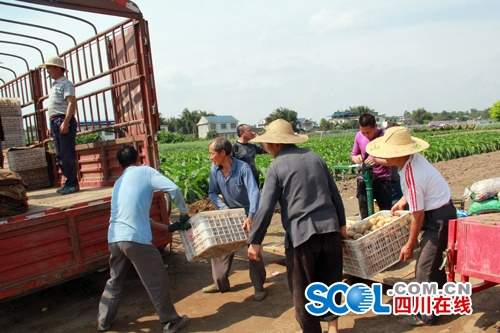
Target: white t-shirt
x=131 y=203
x=423 y=186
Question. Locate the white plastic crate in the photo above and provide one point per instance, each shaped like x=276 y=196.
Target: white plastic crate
x=214 y=233
x=378 y=250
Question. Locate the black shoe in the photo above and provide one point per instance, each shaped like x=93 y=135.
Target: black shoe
x=173 y=327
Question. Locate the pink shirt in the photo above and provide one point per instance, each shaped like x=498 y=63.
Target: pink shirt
x=360 y=141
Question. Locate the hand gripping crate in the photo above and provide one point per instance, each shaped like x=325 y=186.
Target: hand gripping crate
x=379 y=249
x=214 y=233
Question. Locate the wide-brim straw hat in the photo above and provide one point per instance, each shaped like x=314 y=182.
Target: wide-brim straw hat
x=54 y=61
x=396 y=142
x=280 y=131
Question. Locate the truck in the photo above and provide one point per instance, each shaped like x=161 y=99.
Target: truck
x=64 y=237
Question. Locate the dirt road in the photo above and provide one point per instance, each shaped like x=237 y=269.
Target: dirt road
x=72 y=307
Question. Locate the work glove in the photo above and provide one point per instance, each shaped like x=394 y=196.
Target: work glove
x=186 y=226
x=183 y=219
x=175 y=227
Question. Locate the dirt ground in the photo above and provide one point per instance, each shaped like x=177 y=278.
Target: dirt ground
x=72 y=307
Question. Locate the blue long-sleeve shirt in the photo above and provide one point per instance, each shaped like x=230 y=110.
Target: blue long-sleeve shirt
x=239 y=189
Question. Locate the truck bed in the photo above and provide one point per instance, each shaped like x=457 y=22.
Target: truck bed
x=46 y=200
x=60 y=238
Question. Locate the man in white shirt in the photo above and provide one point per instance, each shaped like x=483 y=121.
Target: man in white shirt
x=429 y=198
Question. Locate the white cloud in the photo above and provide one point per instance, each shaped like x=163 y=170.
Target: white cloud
x=328 y=20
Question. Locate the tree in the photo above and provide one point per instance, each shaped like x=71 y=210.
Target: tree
x=325 y=125
x=420 y=115
x=212 y=134
x=186 y=124
x=495 y=111
x=359 y=110
x=286 y=114
x=163 y=121
x=353 y=124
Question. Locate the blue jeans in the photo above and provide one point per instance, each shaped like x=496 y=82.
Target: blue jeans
x=65 y=149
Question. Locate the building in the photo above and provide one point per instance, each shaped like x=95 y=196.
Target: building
x=306 y=125
x=347 y=117
x=442 y=123
x=262 y=124
x=225 y=126
x=342 y=118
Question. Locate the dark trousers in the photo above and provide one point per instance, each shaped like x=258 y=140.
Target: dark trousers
x=65 y=149
x=319 y=259
x=382 y=192
x=221 y=266
x=432 y=245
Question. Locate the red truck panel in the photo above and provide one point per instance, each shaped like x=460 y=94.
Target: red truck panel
x=40 y=252
x=472 y=249
x=115 y=92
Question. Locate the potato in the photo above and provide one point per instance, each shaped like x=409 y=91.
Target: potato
x=380 y=218
x=372 y=221
x=360 y=229
x=357 y=235
x=366 y=232
x=374 y=227
x=351 y=234
x=388 y=219
x=380 y=224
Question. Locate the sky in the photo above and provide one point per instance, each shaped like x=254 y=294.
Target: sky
x=248 y=58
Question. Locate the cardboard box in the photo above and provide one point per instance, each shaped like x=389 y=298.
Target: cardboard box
x=25 y=159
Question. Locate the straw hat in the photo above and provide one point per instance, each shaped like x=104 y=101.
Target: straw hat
x=54 y=61
x=396 y=142
x=280 y=131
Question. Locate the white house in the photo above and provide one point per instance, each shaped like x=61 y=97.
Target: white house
x=224 y=125
x=262 y=124
x=306 y=125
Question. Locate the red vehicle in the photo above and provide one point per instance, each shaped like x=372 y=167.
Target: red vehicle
x=472 y=250
x=63 y=237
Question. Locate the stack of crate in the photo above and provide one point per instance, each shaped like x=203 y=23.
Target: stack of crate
x=12 y=122
x=29 y=163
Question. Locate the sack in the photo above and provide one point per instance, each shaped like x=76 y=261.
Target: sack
x=13 y=197
x=484 y=189
x=483 y=207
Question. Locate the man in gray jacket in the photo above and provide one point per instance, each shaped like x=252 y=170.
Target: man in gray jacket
x=312 y=215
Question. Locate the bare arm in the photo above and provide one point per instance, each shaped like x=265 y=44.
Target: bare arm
x=417 y=221
x=377 y=161
x=70 y=112
x=158 y=226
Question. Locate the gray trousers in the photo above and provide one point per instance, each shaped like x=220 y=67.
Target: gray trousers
x=149 y=265
x=222 y=265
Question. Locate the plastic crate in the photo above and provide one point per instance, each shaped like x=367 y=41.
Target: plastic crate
x=378 y=250
x=214 y=233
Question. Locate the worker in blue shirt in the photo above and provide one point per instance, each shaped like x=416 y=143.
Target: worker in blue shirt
x=234 y=180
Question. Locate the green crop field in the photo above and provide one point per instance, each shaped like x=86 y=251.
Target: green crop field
x=188 y=164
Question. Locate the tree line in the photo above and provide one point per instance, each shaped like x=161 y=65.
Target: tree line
x=185 y=124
